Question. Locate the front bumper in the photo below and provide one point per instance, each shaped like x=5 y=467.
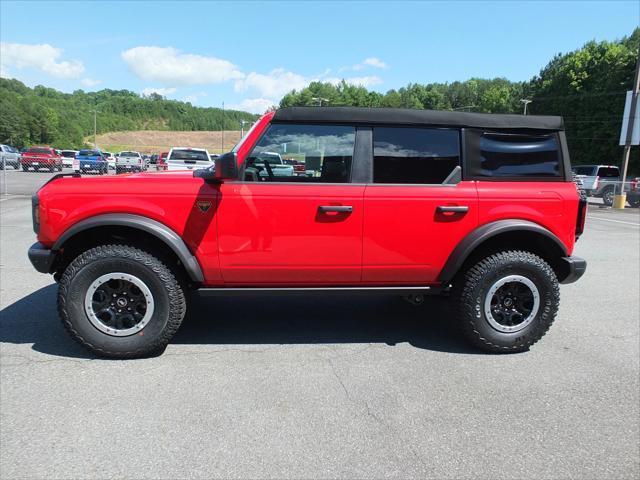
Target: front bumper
x=41 y=257
x=576 y=267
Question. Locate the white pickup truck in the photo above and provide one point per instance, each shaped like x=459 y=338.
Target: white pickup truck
x=276 y=164
x=129 y=162
x=598 y=181
x=186 y=158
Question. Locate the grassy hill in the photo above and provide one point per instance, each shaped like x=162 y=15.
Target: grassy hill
x=156 y=141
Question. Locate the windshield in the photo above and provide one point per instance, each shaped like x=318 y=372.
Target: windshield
x=68 y=153
x=89 y=153
x=189 y=155
x=39 y=150
x=129 y=154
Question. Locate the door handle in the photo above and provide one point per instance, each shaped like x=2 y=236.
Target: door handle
x=452 y=209
x=335 y=209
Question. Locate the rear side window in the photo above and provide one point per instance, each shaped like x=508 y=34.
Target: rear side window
x=608 y=172
x=518 y=155
x=414 y=155
x=583 y=170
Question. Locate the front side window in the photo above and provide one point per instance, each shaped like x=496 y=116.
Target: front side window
x=414 y=155
x=302 y=153
x=519 y=155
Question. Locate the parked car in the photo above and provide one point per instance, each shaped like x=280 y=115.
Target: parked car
x=9 y=156
x=271 y=164
x=40 y=158
x=111 y=160
x=633 y=195
x=68 y=157
x=186 y=158
x=162 y=161
x=406 y=213
x=92 y=160
x=601 y=181
x=129 y=161
x=154 y=159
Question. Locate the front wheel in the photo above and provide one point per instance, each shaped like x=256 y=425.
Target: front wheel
x=120 y=302
x=507 y=301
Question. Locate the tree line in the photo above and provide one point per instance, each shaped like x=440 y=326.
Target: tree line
x=587 y=87
x=46 y=116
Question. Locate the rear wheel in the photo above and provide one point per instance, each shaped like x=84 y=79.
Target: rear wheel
x=120 y=302
x=607 y=196
x=507 y=301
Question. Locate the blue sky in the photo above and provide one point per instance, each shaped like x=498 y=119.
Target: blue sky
x=248 y=54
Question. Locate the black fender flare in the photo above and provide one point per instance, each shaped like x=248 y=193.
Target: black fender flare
x=157 y=229
x=484 y=233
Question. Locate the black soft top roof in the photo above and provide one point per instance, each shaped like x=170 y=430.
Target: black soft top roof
x=406 y=116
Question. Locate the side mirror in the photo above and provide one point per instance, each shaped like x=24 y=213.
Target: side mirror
x=224 y=168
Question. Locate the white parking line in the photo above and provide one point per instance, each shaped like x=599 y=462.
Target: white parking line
x=615 y=221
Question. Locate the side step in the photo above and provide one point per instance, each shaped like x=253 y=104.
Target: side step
x=305 y=291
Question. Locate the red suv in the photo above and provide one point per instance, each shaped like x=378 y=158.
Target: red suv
x=41 y=158
x=478 y=207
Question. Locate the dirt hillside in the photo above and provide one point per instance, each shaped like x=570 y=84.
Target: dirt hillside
x=155 y=141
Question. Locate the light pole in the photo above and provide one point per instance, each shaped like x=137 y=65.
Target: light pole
x=320 y=100
x=222 y=127
x=526 y=102
x=242 y=124
x=95 y=123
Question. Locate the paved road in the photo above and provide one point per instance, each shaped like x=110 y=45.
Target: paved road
x=327 y=388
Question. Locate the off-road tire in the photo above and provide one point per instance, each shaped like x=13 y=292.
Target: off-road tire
x=607 y=196
x=471 y=288
x=168 y=296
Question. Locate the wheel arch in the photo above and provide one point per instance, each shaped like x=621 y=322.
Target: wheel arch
x=507 y=235
x=115 y=223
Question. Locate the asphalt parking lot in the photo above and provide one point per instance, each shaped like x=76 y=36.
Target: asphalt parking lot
x=326 y=388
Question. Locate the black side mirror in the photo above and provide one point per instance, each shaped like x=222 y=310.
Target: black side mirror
x=224 y=168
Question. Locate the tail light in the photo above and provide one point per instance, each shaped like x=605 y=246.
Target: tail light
x=582 y=216
x=35 y=212
x=139 y=161
x=595 y=183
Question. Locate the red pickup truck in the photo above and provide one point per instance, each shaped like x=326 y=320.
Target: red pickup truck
x=478 y=207
x=41 y=158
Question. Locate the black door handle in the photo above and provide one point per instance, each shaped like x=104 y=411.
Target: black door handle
x=452 y=209
x=335 y=209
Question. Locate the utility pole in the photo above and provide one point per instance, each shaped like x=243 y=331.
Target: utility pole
x=242 y=124
x=95 y=124
x=222 y=127
x=619 y=200
x=526 y=102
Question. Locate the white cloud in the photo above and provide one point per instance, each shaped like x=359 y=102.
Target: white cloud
x=170 y=67
x=254 y=105
x=89 y=82
x=276 y=83
x=370 y=62
x=159 y=90
x=43 y=57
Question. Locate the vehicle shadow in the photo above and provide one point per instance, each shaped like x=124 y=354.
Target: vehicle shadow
x=260 y=320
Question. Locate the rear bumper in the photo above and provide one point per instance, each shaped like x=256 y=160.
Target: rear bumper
x=41 y=257
x=576 y=267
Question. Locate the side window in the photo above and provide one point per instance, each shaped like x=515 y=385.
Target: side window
x=518 y=155
x=414 y=155
x=302 y=153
